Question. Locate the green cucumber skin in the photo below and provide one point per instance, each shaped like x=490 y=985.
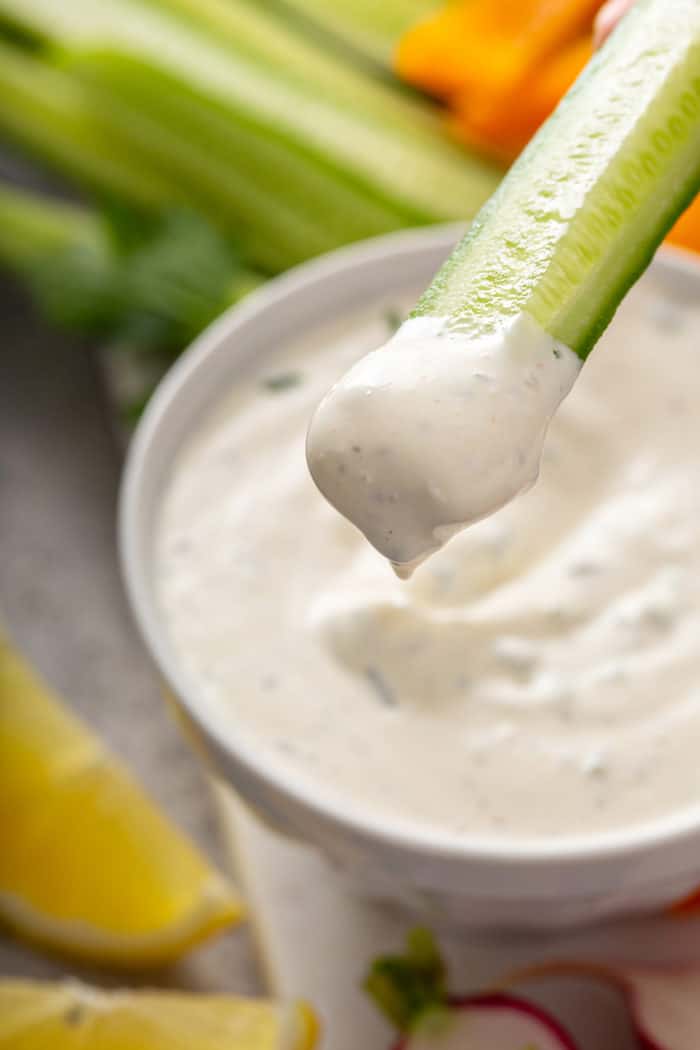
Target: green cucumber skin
x=579 y=216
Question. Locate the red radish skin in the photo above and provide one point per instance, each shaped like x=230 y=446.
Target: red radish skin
x=550 y=1031
x=664 y=1005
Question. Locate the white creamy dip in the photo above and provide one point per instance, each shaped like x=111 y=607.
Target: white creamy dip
x=435 y=430
x=539 y=676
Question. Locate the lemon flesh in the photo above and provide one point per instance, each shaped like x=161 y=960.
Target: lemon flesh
x=88 y=865
x=45 y=1016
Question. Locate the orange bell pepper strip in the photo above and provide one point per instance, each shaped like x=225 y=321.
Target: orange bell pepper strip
x=686 y=232
x=489 y=47
x=502 y=66
x=501 y=125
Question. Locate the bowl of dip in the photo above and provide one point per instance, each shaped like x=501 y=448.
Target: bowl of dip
x=511 y=737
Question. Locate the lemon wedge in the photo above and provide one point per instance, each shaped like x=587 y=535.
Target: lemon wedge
x=71 y=1016
x=87 y=863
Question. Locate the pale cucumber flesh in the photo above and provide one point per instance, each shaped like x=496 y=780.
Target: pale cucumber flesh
x=580 y=214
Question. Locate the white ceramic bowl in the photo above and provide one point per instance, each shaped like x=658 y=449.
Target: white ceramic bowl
x=538 y=884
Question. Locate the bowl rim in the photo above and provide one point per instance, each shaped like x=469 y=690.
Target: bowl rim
x=568 y=850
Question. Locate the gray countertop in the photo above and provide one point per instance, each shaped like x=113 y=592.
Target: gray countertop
x=62 y=602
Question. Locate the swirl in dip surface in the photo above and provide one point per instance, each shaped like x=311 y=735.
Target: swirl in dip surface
x=538 y=677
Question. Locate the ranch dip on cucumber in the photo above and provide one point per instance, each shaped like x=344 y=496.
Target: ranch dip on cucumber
x=437 y=429
x=538 y=676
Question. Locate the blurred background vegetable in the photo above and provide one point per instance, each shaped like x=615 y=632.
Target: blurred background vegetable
x=153 y=284
x=230 y=109
x=501 y=69
x=370 y=27
x=217 y=142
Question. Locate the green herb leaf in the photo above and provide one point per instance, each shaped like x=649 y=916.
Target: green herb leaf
x=282 y=381
x=410 y=988
x=149 y=283
x=393 y=319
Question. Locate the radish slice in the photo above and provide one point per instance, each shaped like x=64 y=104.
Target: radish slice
x=491 y=1022
x=664 y=1005
x=411 y=990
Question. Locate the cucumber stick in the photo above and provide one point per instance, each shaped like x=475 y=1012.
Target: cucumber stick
x=579 y=216
x=446 y=423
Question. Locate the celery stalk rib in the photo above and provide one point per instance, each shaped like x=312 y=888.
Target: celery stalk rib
x=283 y=206
x=32 y=228
x=371 y=27
x=49 y=113
x=360 y=129
x=147 y=140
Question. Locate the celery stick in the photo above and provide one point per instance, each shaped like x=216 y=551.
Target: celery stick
x=127 y=131
x=153 y=151
x=49 y=112
x=370 y=27
x=401 y=159
x=252 y=30
x=370 y=130
x=119 y=151
x=31 y=228
x=282 y=206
